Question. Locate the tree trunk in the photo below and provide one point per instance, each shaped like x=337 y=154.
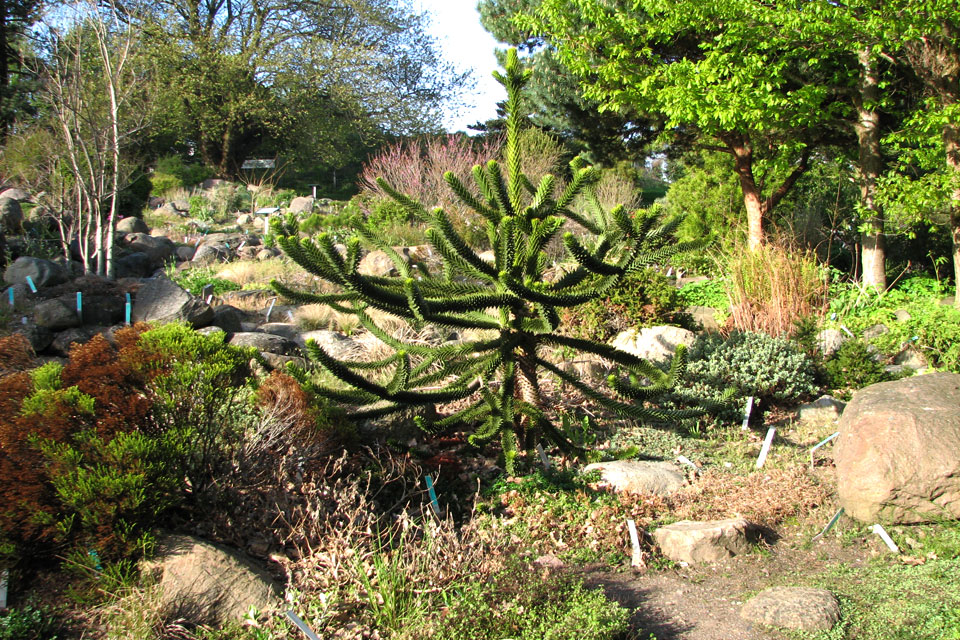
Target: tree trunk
x=871 y=164
x=951 y=143
x=758 y=208
x=529 y=389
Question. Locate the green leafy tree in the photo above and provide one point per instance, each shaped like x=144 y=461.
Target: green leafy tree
x=509 y=297
x=712 y=72
x=16 y=17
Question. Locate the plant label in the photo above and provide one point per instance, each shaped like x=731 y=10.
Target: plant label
x=669 y=272
x=266 y=224
x=833 y=521
x=746 y=414
x=765 y=449
x=270 y=310
x=307 y=631
x=207 y=292
x=636 y=558
x=128 y=309
x=10 y=295
x=30 y=284
x=820 y=444
x=433 y=495
x=544 y=460
x=80 y=305
x=685 y=460
x=290 y=315
x=3 y=589
x=241 y=245
x=887 y=540
x=846 y=331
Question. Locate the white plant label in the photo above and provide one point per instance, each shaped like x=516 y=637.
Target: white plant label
x=887 y=540
x=746 y=413
x=685 y=460
x=636 y=558
x=829 y=526
x=846 y=331
x=820 y=444
x=307 y=631
x=544 y=460
x=270 y=310
x=765 y=449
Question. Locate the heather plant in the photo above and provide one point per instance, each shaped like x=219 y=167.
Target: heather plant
x=497 y=377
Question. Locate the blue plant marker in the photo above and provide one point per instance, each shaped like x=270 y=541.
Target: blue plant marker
x=128 y=308
x=96 y=559
x=433 y=496
x=10 y=295
x=32 y=286
x=80 y=304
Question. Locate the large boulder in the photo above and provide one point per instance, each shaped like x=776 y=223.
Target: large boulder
x=701 y=542
x=15 y=193
x=44 y=273
x=333 y=342
x=134 y=265
x=266 y=342
x=11 y=215
x=160 y=300
x=63 y=341
x=158 y=249
x=301 y=204
x=802 y=608
x=653 y=343
x=132 y=225
x=56 y=314
x=218 y=585
x=898 y=453
x=636 y=476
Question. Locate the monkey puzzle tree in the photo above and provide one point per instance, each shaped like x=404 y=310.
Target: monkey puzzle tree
x=509 y=297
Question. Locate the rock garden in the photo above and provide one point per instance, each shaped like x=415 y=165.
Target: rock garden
x=541 y=421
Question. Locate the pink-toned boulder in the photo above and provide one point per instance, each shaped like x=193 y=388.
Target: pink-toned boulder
x=898 y=454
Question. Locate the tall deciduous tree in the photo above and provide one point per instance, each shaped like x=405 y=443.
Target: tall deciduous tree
x=243 y=73
x=709 y=69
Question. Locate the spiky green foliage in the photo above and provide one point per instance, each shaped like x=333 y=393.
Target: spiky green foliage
x=495 y=377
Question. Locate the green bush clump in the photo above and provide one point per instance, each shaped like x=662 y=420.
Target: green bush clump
x=511 y=605
x=644 y=298
x=853 y=367
x=728 y=370
x=171 y=172
x=194 y=280
x=317 y=222
x=706 y=293
x=200 y=208
x=28 y=623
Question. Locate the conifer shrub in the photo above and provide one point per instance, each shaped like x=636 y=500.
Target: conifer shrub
x=853 y=367
x=497 y=377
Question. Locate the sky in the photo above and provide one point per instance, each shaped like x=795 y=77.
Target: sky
x=465 y=43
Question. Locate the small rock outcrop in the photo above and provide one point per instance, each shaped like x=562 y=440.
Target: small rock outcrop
x=265 y=342
x=829 y=341
x=700 y=542
x=635 y=476
x=653 y=343
x=11 y=215
x=44 y=273
x=132 y=225
x=301 y=204
x=160 y=300
x=896 y=455
x=218 y=585
x=822 y=410
x=800 y=608
x=56 y=315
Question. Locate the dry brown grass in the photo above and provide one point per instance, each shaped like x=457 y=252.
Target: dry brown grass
x=320 y=316
x=249 y=272
x=773 y=287
x=764 y=497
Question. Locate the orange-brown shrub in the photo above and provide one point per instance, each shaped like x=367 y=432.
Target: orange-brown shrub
x=16 y=353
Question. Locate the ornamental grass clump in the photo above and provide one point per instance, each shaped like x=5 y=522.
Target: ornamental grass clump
x=494 y=379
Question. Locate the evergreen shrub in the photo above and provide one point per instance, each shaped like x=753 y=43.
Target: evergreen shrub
x=853 y=367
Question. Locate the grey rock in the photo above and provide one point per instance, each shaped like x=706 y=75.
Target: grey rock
x=301 y=204
x=376 y=263
x=221 y=585
x=39 y=337
x=333 y=342
x=639 y=477
x=829 y=341
x=701 y=542
x=160 y=300
x=653 y=343
x=132 y=225
x=56 y=315
x=64 y=340
x=488 y=256
x=276 y=361
x=185 y=253
x=910 y=358
x=103 y=309
x=822 y=410
x=800 y=608
x=705 y=316
x=875 y=331
x=287 y=330
x=228 y=318
x=896 y=457
x=134 y=265
x=244 y=219
x=902 y=315
x=15 y=193
x=209 y=331
x=158 y=250
x=265 y=254
x=948 y=301
x=11 y=215
x=264 y=342
x=44 y=273
x=210 y=254
x=232 y=240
